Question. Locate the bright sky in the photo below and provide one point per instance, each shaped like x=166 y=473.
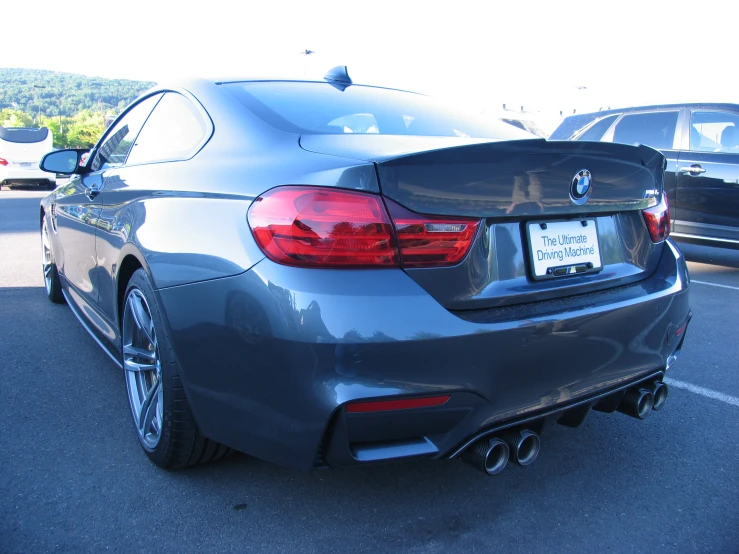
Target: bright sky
x=483 y=54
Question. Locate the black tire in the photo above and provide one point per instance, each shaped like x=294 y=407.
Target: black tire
x=52 y=284
x=180 y=442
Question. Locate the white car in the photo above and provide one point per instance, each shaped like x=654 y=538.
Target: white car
x=21 y=150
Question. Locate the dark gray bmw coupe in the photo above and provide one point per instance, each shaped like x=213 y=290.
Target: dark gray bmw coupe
x=323 y=273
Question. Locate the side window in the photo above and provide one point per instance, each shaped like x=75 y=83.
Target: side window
x=173 y=132
x=117 y=143
x=655 y=129
x=714 y=132
x=596 y=131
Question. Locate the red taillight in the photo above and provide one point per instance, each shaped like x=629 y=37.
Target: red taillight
x=658 y=220
x=320 y=227
x=387 y=405
x=3 y=161
x=317 y=227
x=431 y=241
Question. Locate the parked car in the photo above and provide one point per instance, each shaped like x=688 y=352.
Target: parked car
x=701 y=144
x=522 y=120
x=21 y=150
x=327 y=273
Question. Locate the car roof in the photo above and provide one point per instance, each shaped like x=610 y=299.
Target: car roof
x=193 y=82
x=694 y=105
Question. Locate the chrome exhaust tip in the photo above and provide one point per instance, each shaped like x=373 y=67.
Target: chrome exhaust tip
x=488 y=455
x=637 y=403
x=524 y=446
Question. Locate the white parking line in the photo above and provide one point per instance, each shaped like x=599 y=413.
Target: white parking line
x=708 y=393
x=714 y=284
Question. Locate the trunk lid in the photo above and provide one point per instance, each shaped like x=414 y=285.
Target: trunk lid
x=519 y=189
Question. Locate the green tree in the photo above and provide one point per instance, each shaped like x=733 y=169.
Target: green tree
x=59 y=127
x=15 y=118
x=85 y=129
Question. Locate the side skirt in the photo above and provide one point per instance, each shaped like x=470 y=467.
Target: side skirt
x=87 y=328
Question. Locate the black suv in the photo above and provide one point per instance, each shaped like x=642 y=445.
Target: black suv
x=701 y=144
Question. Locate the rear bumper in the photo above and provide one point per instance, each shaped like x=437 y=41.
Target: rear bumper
x=272 y=356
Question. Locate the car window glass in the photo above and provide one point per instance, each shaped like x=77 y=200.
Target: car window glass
x=596 y=131
x=322 y=108
x=118 y=142
x=714 y=132
x=526 y=125
x=173 y=132
x=655 y=129
x=356 y=123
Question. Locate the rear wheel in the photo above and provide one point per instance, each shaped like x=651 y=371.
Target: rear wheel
x=165 y=424
x=52 y=284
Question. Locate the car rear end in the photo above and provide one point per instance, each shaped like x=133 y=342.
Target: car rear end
x=479 y=291
x=21 y=150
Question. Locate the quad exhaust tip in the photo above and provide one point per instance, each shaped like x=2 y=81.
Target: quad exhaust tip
x=488 y=455
x=524 y=446
x=491 y=455
x=637 y=402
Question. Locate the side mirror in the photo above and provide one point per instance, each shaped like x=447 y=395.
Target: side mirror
x=64 y=162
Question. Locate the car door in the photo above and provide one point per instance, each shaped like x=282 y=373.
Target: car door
x=658 y=129
x=708 y=177
x=175 y=131
x=75 y=212
x=77 y=208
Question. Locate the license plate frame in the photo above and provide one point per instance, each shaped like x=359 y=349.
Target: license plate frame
x=575 y=249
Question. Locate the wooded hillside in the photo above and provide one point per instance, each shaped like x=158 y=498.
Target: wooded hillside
x=49 y=93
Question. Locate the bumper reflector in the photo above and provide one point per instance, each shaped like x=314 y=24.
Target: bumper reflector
x=387 y=405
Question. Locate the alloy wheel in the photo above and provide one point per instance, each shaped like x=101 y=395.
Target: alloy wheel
x=143 y=369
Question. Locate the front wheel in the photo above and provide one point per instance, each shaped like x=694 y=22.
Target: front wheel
x=165 y=424
x=52 y=284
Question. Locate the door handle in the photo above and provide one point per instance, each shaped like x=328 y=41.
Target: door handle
x=92 y=192
x=694 y=169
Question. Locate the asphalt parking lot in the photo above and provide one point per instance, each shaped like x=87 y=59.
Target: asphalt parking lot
x=73 y=478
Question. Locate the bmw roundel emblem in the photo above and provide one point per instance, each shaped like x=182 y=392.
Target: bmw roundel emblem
x=582 y=184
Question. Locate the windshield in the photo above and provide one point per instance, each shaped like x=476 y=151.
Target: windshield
x=321 y=108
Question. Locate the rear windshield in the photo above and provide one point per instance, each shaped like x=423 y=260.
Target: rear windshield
x=321 y=108
x=23 y=135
